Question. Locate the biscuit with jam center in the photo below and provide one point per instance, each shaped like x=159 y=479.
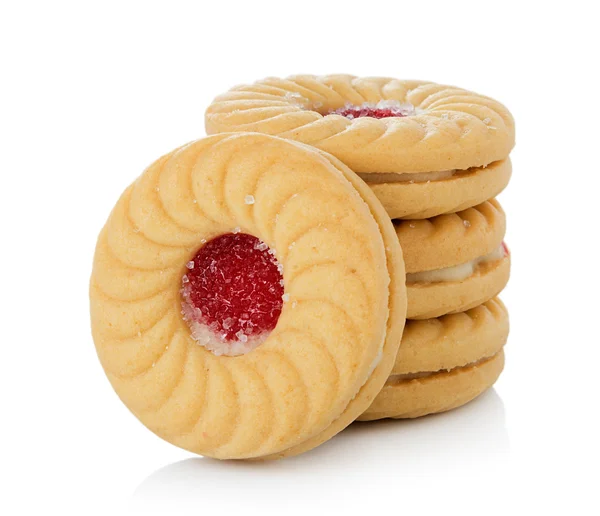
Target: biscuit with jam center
x=424 y=148
x=242 y=310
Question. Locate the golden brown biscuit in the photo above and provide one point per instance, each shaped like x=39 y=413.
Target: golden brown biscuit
x=445 y=362
x=446 y=128
x=435 y=393
x=228 y=213
x=423 y=199
x=425 y=148
x=452 y=239
x=454 y=261
x=453 y=340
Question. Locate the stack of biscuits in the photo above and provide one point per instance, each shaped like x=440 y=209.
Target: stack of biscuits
x=436 y=157
x=331 y=252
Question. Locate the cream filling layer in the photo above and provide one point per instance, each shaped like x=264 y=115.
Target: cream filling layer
x=406 y=177
x=457 y=272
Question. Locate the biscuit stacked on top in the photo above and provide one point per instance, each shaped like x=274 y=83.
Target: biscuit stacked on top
x=435 y=156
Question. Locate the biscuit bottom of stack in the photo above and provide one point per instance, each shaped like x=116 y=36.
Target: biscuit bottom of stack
x=444 y=363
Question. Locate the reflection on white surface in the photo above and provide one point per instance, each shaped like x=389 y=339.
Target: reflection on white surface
x=458 y=442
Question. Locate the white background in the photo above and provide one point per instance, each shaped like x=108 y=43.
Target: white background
x=92 y=92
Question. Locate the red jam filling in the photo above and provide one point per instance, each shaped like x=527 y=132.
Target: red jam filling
x=505 y=247
x=380 y=110
x=234 y=289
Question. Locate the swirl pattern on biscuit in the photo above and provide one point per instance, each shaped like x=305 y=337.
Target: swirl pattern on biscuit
x=452 y=128
x=328 y=336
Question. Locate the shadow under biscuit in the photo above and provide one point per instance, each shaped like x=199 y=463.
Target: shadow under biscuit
x=456 y=442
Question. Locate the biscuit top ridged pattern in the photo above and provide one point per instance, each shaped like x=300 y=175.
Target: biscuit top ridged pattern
x=330 y=332
x=452 y=128
x=451 y=239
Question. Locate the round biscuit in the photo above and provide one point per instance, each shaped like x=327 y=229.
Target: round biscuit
x=334 y=344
